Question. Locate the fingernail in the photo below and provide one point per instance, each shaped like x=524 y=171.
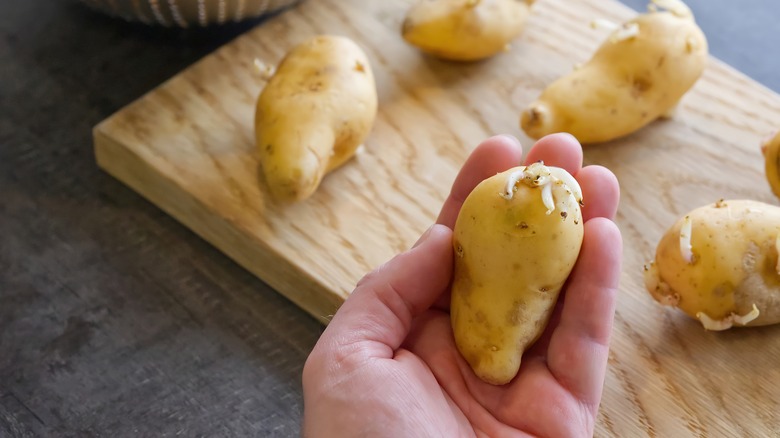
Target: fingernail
x=423 y=238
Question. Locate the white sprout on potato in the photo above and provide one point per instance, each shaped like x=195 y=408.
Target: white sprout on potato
x=266 y=71
x=671 y=300
x=539 y=175
x=728 y=321
x=547 y=198
x=603 y=23
x=658 y=289
x=686 y=249
x=626 y=32
x=619 y=32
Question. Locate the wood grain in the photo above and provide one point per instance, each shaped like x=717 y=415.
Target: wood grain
x=187 y=146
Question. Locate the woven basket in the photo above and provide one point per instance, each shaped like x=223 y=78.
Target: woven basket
x=187 y=13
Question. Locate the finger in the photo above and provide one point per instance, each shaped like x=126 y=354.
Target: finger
x=579 y=346
x=559 y=150
x=492 y=156
x=377 y=316
x=600 y=192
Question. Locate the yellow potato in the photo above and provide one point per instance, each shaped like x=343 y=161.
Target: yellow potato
x=719 y=264
x=637 y=75
x=516 y=240
x=465 y=30
x=315 y=111
x=771 y=150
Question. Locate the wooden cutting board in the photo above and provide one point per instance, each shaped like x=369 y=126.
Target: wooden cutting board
x=188 y=147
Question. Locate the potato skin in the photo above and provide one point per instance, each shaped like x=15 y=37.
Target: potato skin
x=626 y=84
x=465 y=30
x=771 y=150
x=315 y=111
x=511 y=262
x=734 y=263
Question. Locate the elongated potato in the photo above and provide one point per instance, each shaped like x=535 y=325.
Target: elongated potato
x=771 y=151
x=315 y=111
x=516 y=240
x=636 y=76
x=465 y=30
x=719 y=264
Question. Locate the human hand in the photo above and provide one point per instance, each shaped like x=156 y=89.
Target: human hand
x=387 y=364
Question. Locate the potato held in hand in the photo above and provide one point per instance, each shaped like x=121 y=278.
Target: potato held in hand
x=636 y=76
x=465 y=30
x=315 y=111
x=719 y=264
x=516 y=240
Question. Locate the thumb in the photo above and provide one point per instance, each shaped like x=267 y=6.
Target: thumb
x=381 y=308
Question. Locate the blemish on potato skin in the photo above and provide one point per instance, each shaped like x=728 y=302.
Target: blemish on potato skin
x=639 y=86
x=690 y=44
x=463 y=277
x=515 y=315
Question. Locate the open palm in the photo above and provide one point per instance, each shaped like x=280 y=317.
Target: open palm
x=387 y=364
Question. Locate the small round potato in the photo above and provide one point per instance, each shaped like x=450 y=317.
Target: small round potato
x=516 y=240
x=719 y=264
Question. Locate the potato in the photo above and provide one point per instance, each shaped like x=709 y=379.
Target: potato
x=516 y=240
x=465 y=30
x=636 y=76
x=315 y=111
x=719 y=264
x=771 y=151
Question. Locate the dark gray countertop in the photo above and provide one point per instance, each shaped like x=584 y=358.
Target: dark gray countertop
x=114 y=319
